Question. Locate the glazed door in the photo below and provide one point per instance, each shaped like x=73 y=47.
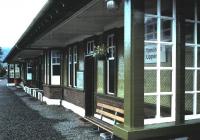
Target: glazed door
x=89 y=85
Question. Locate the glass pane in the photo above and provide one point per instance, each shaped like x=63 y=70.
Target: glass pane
x=198 y=9
x=149 y=107
x=189 y=56
x=189 y=38
x=150 y=55
x=150 y=28
x=151 y=7
x=56 y=70
x=198 y=57
x=111 y=76
x=100 y=77
x=166 y=8
x=198 y=80
x=166 y=30
x=188 y=104
x=198 y=103
x=165 y=106
x=189 y=80
x=166 y=81
x=150 y=81
x=198 y=33
x=166 y=56
x=190 y=9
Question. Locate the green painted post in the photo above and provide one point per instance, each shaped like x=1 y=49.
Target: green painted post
x=180 y=62
x=134 y=63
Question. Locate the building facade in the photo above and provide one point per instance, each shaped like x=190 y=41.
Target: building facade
x=128 y=66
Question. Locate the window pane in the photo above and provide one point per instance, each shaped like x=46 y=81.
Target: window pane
x=190 y=9
x=188 y=104
x=165 y=106
x=189 y=56
x=198 y=9
x=150 y=28
x=29 y=70
x=150 y=81
x=166 y=8
x=198 y=33
x=149 y=107
x=71 y=74
x=166 y=56
x=151 y=7
x=100 y=76
x=189 y=38
x=198 y=57
x=56 y=69
x=189 y=80
x=166 y=30
x=111 y=76
x=166 y=80
x=150 y=55
x=198 y=103
x=198 y=80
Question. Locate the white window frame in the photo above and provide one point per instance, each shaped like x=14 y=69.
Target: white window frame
x=11 y=71
x=75 y=59
x=111 y=48
x=69 y=70
x=55 y=79
x=90 y=47
x=158 y=68
x=195 y=68
x=29 y=65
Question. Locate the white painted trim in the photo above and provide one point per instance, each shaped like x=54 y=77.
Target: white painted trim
x=51 y=101
x=10 y=84
x=158 y=120
x=76 y=109
x=192 y=117
x=40 y=96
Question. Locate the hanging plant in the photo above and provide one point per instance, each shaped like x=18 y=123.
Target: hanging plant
x=100 y=51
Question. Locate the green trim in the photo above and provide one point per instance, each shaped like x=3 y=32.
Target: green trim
x=165 y=130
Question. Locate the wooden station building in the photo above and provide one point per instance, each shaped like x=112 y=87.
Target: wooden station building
x=131 y=67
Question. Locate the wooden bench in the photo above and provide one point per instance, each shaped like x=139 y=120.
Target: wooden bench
x=114 y=113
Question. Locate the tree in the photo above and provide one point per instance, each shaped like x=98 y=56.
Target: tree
x=2 y=69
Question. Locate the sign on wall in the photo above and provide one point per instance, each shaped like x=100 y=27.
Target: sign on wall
x=150 y=54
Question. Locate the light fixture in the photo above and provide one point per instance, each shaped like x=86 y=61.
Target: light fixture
x=112 y=4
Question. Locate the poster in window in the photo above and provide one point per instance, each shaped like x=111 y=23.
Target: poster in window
x=150 y=54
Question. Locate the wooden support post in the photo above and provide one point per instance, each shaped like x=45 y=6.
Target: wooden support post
x=180 y=62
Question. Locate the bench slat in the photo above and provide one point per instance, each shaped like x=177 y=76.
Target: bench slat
x=115 y=109
x=120 y=119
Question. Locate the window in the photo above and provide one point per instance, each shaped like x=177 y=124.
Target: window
x=70 y=67
x=110 y=65
x=55 y=67
x=29 y=71
x=11 y=71
x=90 y=47
x=17 y=71
x=159 y=69
x=75 y=67
x=192 y=62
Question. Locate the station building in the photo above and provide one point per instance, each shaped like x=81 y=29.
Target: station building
x=131 y=67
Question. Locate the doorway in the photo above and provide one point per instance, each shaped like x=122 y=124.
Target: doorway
x=89 y=85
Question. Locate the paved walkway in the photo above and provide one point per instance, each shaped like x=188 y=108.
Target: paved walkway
x=24 y=118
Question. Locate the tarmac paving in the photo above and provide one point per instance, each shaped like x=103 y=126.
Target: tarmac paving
x=24 y=118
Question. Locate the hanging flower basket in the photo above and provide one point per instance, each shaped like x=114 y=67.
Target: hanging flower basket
x=100 y=51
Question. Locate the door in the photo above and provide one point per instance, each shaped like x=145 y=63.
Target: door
x=89 y=85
